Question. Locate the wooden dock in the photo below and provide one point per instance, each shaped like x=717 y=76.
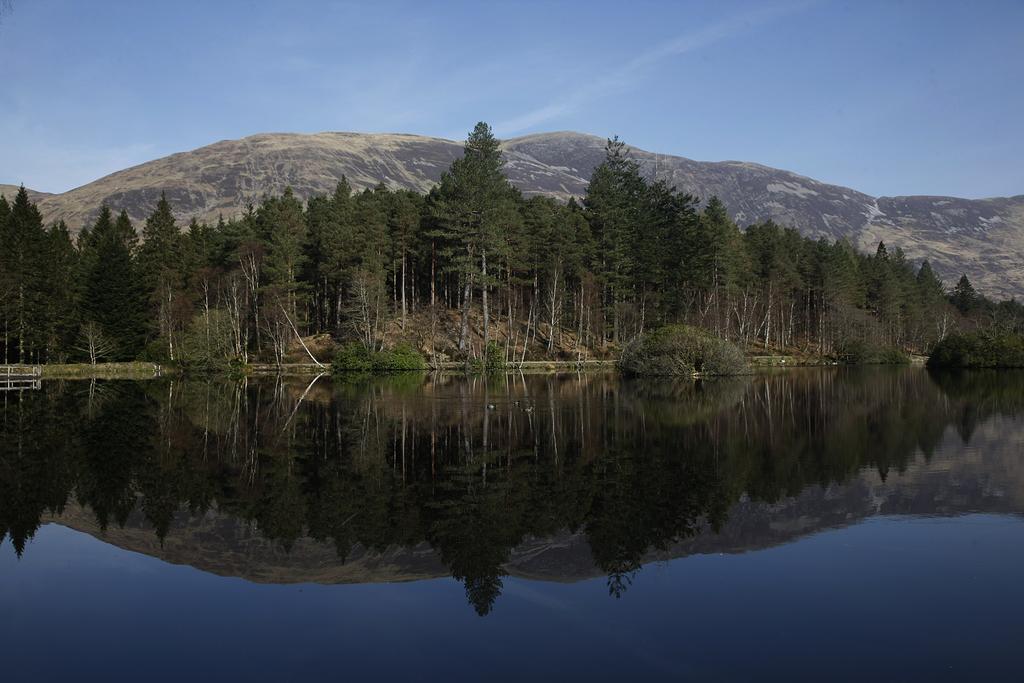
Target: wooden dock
x=20 y=377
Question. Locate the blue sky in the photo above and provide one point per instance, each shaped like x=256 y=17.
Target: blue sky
x=885 y=97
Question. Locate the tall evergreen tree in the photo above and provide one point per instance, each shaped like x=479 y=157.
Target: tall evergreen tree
x=718 y=264
x=23 y=285
x=160 y=264
x=283 y=227
x=614 y=206
x=369 y=249
x=113 y=301
x=964 y=297
x=471 y=203
x=160 y=253
x=62 y=272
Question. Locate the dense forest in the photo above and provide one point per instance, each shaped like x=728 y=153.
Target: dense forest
x=476 y=467
x=470 y=266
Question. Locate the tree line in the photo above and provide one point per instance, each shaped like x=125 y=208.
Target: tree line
x=469 y=266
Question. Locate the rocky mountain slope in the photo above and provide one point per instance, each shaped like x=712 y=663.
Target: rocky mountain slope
x=984 y=238
x=10 y=191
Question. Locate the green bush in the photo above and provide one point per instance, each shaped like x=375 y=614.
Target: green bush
x=352 y=357
x=979 y=350
x=678 y=350
x=493 y=359
x=856 y=352
x=399 y=359
x=355 y=357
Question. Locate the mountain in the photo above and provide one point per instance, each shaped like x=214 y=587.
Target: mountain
x=982 y=237
x=10 y=191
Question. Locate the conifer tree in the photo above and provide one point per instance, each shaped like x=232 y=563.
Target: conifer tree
x=718 y=263
x=283 y=228
x=160 y=262
x=964 y=297
x=112 y=298
x=369 y=251
x=471 y=202
x=8 y=284
x=614 y=208
x=23 y=251
x=62 y=271
x=331 y=250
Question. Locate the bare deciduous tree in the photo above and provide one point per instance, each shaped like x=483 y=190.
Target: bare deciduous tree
x=93 y=342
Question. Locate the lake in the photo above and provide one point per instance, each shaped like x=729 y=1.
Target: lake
x=805 y=524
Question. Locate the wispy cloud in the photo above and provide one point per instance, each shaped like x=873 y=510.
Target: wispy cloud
x=625 y=76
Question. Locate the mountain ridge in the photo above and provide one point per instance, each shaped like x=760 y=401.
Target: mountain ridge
x=981 y=237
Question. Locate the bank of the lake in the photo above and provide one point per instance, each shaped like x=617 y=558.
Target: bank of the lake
x=140 y=370
x=133 y=370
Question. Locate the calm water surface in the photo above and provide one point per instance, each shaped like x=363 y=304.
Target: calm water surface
x=806 y=525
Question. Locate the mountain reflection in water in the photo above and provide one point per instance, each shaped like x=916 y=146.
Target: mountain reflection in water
x=553 y=477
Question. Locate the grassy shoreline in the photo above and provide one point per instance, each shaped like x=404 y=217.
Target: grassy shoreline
x=146 y=370
x=133 y=370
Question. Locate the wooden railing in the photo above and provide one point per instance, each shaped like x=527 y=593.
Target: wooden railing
x=19 y=377
x=20 y=372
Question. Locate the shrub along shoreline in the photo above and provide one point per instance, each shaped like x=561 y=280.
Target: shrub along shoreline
x=979 y=350
x=681 y=351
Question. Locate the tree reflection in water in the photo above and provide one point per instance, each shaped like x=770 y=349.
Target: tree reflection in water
x=472 y=467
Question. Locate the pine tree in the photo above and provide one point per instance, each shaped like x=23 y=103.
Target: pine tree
x=663 y=250
x=8 y=284
x=282 y=226
x=23 y=287
x=112 y=299
x=330 y=249
x=614 y=206
x=160 y=263
x=471 y=203
x=160 y=253
x=62 y=291
x=718 y=263
x=964 y=297
x=367 y=277
x=883 y=290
